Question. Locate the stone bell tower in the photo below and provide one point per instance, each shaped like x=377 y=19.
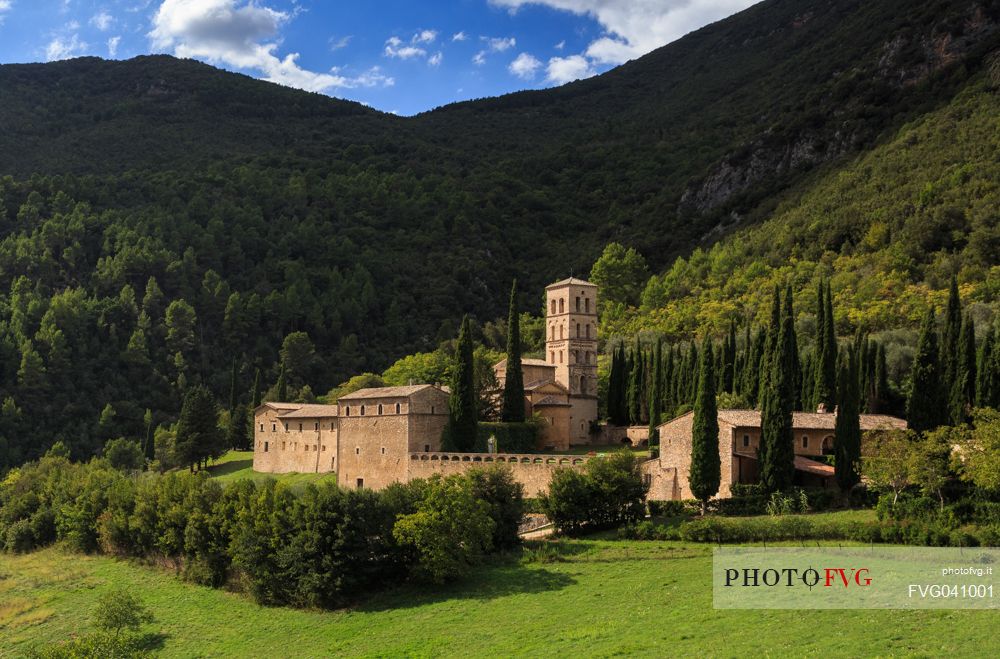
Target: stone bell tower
x=571 y=346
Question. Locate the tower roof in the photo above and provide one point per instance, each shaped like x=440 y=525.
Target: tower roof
x=570 y=281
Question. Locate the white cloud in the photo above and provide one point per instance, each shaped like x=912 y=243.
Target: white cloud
x=336 y=43
x=493 y=45
x=425 y=36
x=113 y=46
x=636 y=27
x=459 y=36
x=560 y=45
x=567 y=69
x=498 y=45
x=5 y=6
x=242 y=34
x=64 y=47
x=436 y=58
x=102 y=21
x=394 y=48
x=525 y=66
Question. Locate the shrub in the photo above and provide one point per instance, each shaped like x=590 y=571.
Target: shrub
x=505 y=497
x=667 y=508
x=119 y=611
x=124 y=454
x=609 y=491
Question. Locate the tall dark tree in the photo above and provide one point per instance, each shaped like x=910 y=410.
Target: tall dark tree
x=705 y=474
x=462 y=423
x=794 y=363
x=148 y=446
x=986 y=374
x=635 y=385
x=847 y=429
x=255 y=394
x=513 y=389
x=198 y=434
x=881 y=397
x=729 y=359
x=776 y=455
x=751 y=372
x=654 y=394
x=825 y=367
x=770 y=341
x=282 y=388
x=233 y=386
x=924 y=409
x=238 y=430
x=963 y=384
x=948 y=346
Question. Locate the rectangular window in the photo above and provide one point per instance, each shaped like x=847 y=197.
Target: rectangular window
x=357 y=450
x=587 y=301
x=324 y=448
x=265 y=447
x=746 y=440
x=805 y=442
x=274 y=427
x=262 y=427
x=578 y=303
x=317 y=425
x=361 y=483
x=300 y=427
x=427 y=448
x=383 y=450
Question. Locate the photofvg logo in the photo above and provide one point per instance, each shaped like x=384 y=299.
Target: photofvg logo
x=853 y=578
x=827 y=577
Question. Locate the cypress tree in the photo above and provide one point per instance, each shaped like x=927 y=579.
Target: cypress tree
x=148 y=444
x=948 y=350
x=825 y=372
x=513 y=389
x=808 y=381
x=233 y=394
x=667 y=403
x=881 y=397
x=613 y=376
x=963 y=386
x=622 y=392
x=793 y=355
x=705 y=474
x=462 y=424
x=985 y=374
x=751 y=373
x=767 y=356
x=694 y=376
x=654 y=394
x=847 y=430
x=635 y=386
x=282 y=392
x=776 y=454
x=255 y=394
x=729 y=359
x=924 y=407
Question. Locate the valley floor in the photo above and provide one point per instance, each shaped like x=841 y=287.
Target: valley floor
x=598 y=598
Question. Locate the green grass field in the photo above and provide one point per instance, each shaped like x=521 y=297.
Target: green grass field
x=236 y=465
x=602 y=598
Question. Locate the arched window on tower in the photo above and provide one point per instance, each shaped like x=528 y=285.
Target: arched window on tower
x=577 y=302
x=583 y=384
x=560 y=356
x=562 y=308
x=587 y=304
x=380 y=409
x=578 y=330
x=397 y=408
x=362 y=410
x=588 y=330
x=552 y=356
x=562 y=331
x=553 y=306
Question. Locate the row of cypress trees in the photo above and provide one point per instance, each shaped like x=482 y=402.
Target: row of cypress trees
x=950 y=374
x=646 y=384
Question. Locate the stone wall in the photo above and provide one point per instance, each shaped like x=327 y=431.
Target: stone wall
x=533 y=471
x=296 y=445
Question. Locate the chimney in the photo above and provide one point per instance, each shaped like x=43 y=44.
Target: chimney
x=821 y=409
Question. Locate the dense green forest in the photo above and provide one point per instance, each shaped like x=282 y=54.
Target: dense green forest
x=161 y=219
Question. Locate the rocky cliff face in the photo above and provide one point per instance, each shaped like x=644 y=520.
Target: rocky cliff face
x=901 y=65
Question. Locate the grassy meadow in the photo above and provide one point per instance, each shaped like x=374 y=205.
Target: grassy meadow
x=597 y=597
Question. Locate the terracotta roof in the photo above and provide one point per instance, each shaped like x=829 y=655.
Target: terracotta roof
x=526 y=362
x=389 y=392
x=809 y=420
x=310 y=412
x=538 y=384
x=572 y=281
x=813 y=467
x=280 y=406
x=551 y=401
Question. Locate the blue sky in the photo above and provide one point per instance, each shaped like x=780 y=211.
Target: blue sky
x=397 y=56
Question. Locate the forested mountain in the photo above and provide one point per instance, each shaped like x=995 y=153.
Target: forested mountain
x=161 y=218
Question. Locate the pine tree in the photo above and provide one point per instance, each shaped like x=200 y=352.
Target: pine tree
x=654 y=394
x=776 y=455
x=847 y=430
x=462 y=423
x=986 y=380
x=705 y=474
x=924 y=407
x=198 y=435
x=963 y=386
x=513 y=390
x=237 y=433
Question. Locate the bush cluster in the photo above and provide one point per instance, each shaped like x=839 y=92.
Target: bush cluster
x=323 y=547
x=608 y=492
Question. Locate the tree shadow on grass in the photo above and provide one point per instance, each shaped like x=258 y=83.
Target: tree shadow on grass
x=151 y=641
x=484 y=583
x=230 y=467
